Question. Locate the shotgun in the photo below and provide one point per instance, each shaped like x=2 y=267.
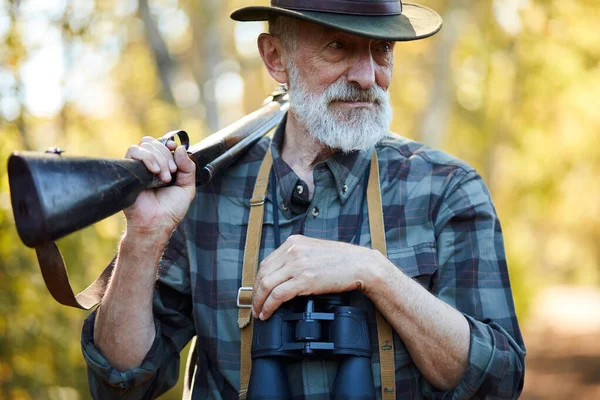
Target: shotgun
x=54 y=195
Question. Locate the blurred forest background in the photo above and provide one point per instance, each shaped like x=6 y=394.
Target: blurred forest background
x=511 y=86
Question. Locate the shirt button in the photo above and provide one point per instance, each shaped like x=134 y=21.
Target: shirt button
x=344 y=188
x=299 y=189
x=315 y=212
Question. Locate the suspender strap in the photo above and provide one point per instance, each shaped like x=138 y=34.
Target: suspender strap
x=253 y=238
x=244 y=299
x=384 y=330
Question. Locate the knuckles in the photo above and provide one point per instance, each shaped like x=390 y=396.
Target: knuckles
x=278 y=294
x=133 y=149
x=294 y=239
x=146 y=145
x=308 y=275
x=265 y=286
x=262 y=266
x=293 y=251
x=136 y=152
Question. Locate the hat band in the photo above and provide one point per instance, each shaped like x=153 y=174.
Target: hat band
x=357 y=7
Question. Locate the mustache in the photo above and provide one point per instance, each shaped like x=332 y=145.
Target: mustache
x=344 y=91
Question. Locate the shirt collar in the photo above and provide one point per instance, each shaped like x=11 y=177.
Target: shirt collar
x=347 y=169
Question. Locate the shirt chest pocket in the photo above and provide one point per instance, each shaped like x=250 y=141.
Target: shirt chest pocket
x=418 y=262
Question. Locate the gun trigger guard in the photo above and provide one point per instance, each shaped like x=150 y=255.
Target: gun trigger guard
x=183 y=138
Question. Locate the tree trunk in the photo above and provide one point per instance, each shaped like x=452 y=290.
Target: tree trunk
x=435 y=118
x=164 y=63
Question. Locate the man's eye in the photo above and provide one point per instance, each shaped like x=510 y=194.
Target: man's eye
x=385 y=47
x=336 y=44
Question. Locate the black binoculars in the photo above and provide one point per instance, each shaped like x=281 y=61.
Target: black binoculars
x=295 y=331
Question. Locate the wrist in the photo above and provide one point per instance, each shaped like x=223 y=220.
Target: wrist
x=378 y=274
x=147 y=241
x=148 y=232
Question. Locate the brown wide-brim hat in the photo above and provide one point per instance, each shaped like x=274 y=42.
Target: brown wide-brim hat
x=377 y=19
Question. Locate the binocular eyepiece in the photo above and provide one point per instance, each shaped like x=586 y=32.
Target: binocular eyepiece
x=295 y=331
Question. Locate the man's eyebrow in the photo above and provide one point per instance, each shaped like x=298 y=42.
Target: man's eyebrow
x=326 y=31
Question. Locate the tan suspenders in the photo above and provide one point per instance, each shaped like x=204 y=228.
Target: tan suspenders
x=253 y=237
x=384 y=330
x=244 y=299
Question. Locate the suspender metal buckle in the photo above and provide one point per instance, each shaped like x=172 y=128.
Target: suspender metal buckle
x=248 y=299
x=257 y=202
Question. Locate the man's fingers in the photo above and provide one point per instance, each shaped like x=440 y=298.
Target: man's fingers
x=279 y=295
x=276 y=259
x=171 y=145
x=273 y=262
x=161 y=159
x=264 y=285
x=147 y=139
x=165 y=151
x=138 y=153
x=271 y=271
x=157 y=157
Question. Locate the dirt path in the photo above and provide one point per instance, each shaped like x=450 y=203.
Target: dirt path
x=563 y=346
x=562 y=367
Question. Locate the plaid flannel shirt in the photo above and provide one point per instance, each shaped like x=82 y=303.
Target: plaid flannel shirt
x=441 y=229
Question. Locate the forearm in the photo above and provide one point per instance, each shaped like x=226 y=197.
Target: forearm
x=124 y=329
x=436 y=335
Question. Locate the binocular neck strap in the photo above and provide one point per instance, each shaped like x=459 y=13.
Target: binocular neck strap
x=253 y=238
x=385 y=337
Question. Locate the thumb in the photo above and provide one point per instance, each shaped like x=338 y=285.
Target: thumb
x=186 y=168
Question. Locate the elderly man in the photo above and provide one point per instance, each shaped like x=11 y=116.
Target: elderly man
x=439 y=279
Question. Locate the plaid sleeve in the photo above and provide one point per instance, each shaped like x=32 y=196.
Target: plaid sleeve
x=473 y=278
x=174 y=328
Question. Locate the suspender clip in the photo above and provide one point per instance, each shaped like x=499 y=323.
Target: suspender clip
x=246 y=300
x=257 y=202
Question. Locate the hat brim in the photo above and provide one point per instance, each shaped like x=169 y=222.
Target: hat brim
x=415 y=22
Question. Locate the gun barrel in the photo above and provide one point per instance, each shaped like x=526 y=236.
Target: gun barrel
x=223 y=161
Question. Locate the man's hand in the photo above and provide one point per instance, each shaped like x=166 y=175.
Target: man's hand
x=160 y=211
x=304 y=266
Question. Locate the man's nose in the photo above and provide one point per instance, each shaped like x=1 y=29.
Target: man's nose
x=362 y=71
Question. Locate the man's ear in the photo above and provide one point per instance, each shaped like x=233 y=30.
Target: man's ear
x=271 y=52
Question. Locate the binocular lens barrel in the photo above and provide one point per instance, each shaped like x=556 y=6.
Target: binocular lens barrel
x=268 y=380
x=354 y=380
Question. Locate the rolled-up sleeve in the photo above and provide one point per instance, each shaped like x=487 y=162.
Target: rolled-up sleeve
x=473 y=277
x=174 y=328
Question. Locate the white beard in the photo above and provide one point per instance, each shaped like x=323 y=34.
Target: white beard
x=345 y=130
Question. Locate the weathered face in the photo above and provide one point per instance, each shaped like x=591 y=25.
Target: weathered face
x=324 y=56
x=338 y=87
